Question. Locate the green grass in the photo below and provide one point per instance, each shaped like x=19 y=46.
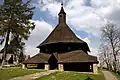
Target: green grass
x=72 y=76
x=117 y=75
x=7 y=73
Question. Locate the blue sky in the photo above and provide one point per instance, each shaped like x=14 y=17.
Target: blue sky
x=84 y=17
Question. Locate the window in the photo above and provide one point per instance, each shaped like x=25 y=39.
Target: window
x=69 y=48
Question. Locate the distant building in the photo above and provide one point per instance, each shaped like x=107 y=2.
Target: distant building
x=64 y=51
x=27 y=57
x=9 y=55
x=11 y=58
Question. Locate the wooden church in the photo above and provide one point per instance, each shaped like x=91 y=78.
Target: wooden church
x=63 y=50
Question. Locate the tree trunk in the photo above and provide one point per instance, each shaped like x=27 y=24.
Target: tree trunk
x=107 y=65
x=5 y=49
x=114 y=63
x=114 y=55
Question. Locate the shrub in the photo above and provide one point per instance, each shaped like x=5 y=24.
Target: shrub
x=118 y=72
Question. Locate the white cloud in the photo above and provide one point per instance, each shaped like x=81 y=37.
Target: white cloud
x=41 y=31
x=51 y=6
x=87 y=18
x=82 y=17
x=104 y=3
x=31 y=50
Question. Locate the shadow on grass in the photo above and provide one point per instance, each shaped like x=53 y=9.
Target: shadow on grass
x=88 y=78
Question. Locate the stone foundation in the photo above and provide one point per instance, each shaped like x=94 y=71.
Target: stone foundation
x=46 y=66
x=23 y=66
x=95 y=68
x=60 y=67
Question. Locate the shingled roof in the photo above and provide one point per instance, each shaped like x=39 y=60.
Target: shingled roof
x=68 y=57
x=76 y=56
x=61 y=33
x=38 y=58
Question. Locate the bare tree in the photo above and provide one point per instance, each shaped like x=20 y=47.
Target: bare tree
x=105 y=56
x=111 y=35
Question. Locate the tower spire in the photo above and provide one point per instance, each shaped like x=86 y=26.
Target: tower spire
x=62 y=4
x=62 y=15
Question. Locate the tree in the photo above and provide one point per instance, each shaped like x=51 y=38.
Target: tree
x=105 y=56
x=17 y=48
x=111 y=35
x=15 y=16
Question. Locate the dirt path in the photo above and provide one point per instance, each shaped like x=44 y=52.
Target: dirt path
x=109 y=76
x=33 y=76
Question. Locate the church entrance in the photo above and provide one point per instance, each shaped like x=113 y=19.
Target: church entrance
x=53 y=63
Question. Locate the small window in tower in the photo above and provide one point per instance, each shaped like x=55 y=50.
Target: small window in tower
x=60 y=15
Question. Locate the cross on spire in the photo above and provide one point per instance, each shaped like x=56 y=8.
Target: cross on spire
x=62 y=9
x=62 y=4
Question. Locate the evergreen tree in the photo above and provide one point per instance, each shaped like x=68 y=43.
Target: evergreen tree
x=15 y=16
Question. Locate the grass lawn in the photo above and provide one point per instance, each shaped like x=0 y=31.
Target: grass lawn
x=7 y=73
x=72 y=76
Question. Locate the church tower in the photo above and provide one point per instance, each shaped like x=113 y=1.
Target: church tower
x=62 y=15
